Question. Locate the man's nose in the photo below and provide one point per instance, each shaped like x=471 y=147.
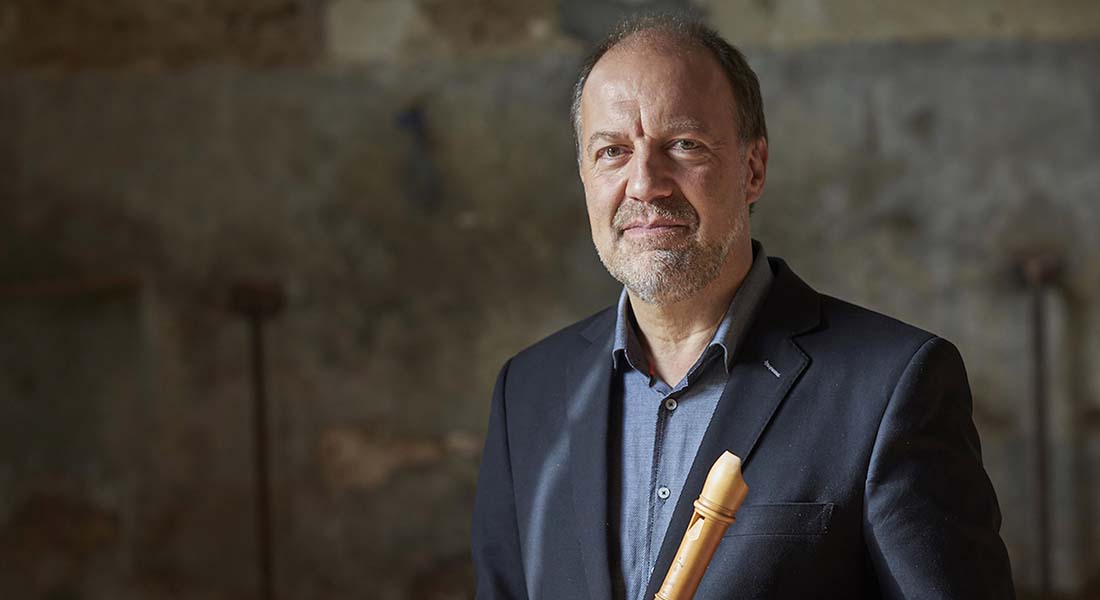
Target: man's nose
x=649 y=179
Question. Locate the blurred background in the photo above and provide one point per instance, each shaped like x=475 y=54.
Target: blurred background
x=324 y=225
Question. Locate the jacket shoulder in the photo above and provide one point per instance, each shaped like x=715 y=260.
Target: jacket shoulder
x=558 y=347
x=836 y=324
x=849 y=332
x=860 y=320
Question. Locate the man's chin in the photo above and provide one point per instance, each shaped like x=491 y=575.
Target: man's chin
x=680 y=256
x=648 y=249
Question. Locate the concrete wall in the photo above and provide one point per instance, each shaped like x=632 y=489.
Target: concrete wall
x=405 y=170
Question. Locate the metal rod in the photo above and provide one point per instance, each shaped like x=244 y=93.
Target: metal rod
x=1038 y=272
x=257 y=302
x=1040 y=407
x=263 y=475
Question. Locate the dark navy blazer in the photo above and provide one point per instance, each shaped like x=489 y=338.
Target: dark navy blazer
x=864 y=468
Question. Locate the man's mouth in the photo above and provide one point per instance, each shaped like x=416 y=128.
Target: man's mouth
x=654 y=228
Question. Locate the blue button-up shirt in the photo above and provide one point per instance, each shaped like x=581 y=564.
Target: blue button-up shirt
x=659 y=427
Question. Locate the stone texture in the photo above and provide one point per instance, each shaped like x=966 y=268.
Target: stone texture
x=352 y=31
x=71 y=34
x=800 y=23
x=404 y=31
x=590 y=20
x=356 y=191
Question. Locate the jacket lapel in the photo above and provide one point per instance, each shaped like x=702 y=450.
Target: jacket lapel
x=751 y=397
x=588 y=400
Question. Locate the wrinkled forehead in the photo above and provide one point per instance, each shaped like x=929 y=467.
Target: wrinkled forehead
x=655 y=83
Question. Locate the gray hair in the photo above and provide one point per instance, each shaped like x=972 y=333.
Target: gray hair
x=748 y=105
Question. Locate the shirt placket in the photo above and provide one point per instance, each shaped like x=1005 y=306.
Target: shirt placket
x=660 y=486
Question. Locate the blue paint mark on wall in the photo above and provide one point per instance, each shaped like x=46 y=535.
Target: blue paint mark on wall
x=424 y=187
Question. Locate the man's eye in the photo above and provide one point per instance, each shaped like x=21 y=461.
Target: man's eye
x=686 y=144
x=611 y=152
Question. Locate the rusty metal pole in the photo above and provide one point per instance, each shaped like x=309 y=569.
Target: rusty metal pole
x=1039 y=272
x=257 y=302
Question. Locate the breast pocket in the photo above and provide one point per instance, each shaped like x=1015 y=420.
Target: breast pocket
x=771 y=551
x=786 y=518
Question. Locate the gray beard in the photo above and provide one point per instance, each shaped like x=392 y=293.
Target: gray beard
x=666 y=275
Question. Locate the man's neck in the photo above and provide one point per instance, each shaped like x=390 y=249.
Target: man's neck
x=675 y=334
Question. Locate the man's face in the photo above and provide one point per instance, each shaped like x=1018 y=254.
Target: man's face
x=667 y=180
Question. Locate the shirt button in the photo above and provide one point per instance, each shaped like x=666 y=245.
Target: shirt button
x=670 y=404
x=663 y=493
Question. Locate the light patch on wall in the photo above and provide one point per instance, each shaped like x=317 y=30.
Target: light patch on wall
x=356 y=458
x=365 y=31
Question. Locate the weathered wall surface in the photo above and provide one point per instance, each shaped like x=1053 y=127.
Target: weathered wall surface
x=405 y=169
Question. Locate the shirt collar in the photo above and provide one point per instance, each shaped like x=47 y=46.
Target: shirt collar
x=732 y=329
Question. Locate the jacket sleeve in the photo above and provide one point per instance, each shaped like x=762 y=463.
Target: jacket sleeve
x=498 y=564
x=931 y=516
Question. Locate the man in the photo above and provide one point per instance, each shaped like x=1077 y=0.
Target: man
x=862 y=460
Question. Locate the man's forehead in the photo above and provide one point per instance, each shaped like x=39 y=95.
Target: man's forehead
x=686 y=115
x=679 y=90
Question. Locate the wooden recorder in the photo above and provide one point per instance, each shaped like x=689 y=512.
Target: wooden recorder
x=722 y=495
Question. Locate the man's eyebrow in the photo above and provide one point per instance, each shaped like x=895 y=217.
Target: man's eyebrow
x=600 y=135
x=674 y=124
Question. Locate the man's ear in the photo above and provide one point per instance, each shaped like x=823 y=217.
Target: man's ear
x=757 y=172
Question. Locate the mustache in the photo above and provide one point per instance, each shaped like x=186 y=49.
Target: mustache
x=675 y=209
